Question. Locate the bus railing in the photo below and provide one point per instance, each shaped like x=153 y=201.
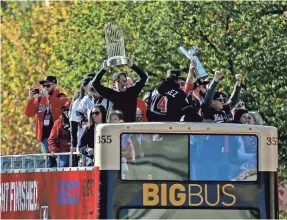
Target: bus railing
x=34 y=161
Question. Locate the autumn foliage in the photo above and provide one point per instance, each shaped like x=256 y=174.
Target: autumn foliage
x=66 y=39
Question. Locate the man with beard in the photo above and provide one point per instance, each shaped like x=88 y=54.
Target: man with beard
x=45 y=104
x=200 y=90
x=167 y=100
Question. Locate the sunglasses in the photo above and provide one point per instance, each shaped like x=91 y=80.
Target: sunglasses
x=96 y=113
x=220 y=100
x=47 y=85
x=248 y=117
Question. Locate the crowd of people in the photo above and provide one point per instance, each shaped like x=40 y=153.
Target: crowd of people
x=63 y=125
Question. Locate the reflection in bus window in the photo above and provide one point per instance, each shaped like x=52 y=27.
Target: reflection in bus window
x=187 y=214
x=164 y=158
x=223 y=157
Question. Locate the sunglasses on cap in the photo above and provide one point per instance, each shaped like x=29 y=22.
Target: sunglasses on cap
x=47 y=85
x=96 y=113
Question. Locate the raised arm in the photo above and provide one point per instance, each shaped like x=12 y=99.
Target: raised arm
x=138 y=86
x=31 y=107
x=212 y=88
x=236 y=92
x=32 y=104
x=189 y=83
x=102 y=90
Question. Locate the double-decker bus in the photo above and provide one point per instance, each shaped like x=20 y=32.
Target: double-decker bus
x=187 y=171
x=152 y=171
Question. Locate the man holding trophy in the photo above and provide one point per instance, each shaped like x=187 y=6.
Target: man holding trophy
x=124 y=99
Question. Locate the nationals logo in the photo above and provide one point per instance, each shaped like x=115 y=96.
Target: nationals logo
x=43 y=108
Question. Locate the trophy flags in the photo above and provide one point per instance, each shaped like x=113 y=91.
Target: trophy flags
x=115 y=45
x=200 y=71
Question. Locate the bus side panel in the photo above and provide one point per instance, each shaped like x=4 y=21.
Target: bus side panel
x=50 y=195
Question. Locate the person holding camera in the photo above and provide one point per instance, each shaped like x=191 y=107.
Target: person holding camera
x=60 y=138
x=45 y=104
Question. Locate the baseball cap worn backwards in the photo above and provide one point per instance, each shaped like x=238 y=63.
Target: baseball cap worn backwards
x=49 y=79
x=200 y=82
x=218 y=95
x=173 y=73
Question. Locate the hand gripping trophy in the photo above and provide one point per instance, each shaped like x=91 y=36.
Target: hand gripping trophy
x=200 y=71
x=115 y=45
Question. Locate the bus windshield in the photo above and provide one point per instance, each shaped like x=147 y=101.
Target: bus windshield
x=194 y=157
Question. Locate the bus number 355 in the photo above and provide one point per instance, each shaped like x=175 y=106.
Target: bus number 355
x=104 y=139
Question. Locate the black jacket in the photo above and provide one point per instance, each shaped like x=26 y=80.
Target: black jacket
x=167 y=102
x=124 y=101
x=87 y=140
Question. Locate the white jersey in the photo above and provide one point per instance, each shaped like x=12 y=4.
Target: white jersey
x=74 y=109
x=88 y=102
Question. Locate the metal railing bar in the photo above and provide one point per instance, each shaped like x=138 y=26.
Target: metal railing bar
x=42 y=154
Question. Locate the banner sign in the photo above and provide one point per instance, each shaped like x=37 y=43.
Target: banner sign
x=50 y=195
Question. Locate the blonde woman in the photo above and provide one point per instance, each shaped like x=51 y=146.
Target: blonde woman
x=254 y=118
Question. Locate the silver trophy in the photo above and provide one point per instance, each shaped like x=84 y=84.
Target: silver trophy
x=115 y=45
x=200 y=71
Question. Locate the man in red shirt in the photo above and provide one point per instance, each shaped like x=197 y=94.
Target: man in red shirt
x=45 y=104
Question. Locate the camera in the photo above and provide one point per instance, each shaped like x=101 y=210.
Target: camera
x=34 y=91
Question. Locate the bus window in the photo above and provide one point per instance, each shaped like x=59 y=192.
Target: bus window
x=154 y=157
x=223 y=157
x=133 y=213
x=195 y=157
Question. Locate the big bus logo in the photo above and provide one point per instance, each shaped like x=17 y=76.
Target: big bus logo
x=193 y=194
